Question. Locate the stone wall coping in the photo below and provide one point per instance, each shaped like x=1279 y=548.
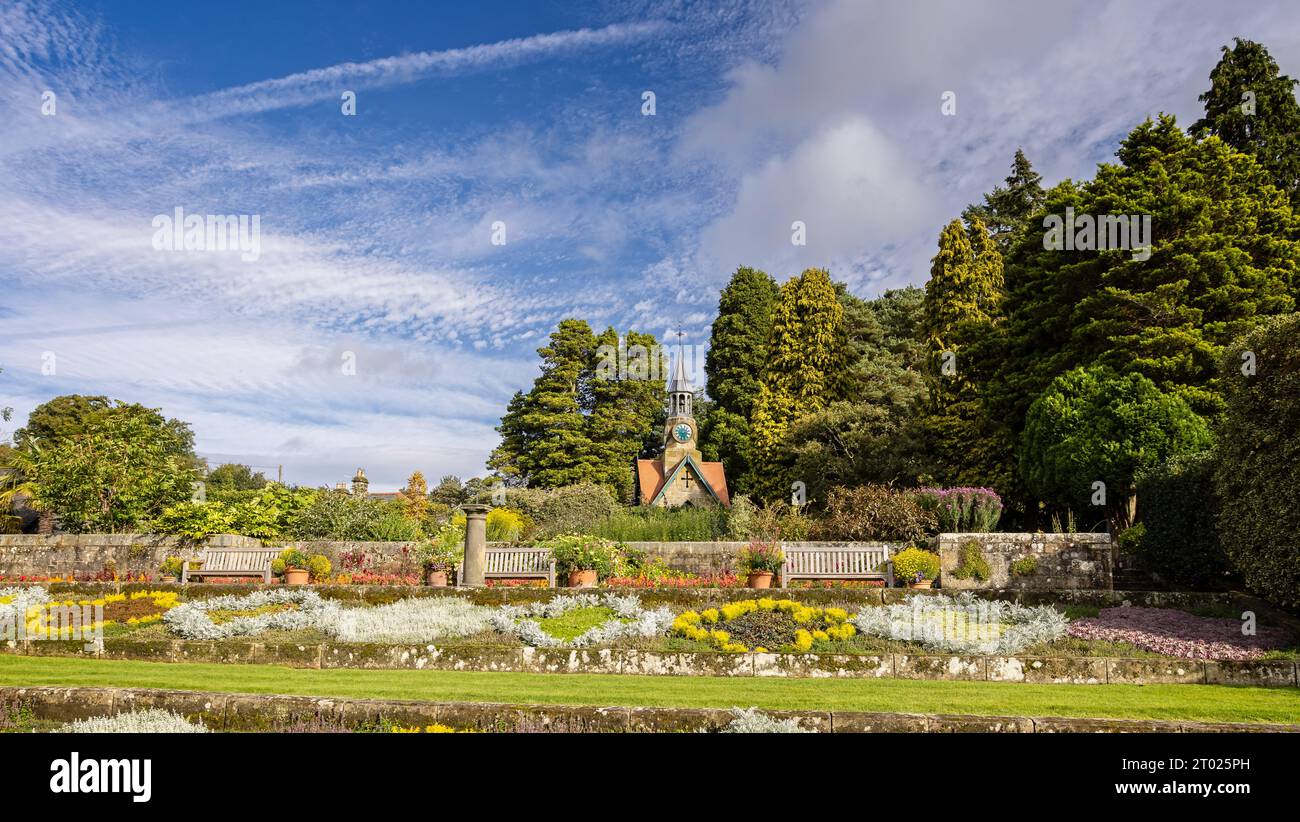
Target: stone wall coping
x=245 y=712
x=1040 y=670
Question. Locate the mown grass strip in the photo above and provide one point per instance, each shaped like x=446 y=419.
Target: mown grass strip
x=1205 y=703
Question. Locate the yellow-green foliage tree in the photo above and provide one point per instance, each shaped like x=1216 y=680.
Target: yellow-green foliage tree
x=962 y=318
x=807 y=369
x=414 y=498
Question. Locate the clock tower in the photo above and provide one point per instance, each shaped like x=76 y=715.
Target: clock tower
x=681 y=435
x=681 y=476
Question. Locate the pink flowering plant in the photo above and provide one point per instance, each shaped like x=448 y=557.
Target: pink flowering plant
x=1180 y=634
x=761 y=558
x=962 y=510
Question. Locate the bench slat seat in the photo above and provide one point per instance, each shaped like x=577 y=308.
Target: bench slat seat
x=233 y=562
x=518 y=563
x=838 y=563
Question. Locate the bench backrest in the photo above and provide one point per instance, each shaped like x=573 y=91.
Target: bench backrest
x=238 y=559
x=506 y=561
x=835 y=561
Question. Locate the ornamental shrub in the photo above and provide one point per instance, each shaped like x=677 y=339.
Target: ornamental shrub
x=874 y=512
x=1259 y=448
x=583 y=552
x=740 y=518
x=1179 y=539
x=1093 y=424
x=910 y=562
x=574 y=509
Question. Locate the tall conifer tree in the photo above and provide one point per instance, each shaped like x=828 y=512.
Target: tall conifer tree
x=1252 y=107
x=734 y=365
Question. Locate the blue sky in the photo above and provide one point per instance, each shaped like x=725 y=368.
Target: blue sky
x=376 y=229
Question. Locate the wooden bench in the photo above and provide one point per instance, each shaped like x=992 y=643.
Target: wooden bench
x=837 y=563
x=233 y=562
x=517 y=563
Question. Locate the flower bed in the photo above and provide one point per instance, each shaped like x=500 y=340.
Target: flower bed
x=727 y=580
x=626 y=619
x=1178 y=633
x=14 y=602
x=963 y=624
x=279 y=609
x=411 y=620
x=52 y=620
x=763 y=624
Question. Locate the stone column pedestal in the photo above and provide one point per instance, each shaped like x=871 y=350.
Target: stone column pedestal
x=475 y=545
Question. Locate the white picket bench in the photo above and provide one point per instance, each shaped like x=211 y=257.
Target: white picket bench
x=518 y=563
x=838 y=563
x=233 y=562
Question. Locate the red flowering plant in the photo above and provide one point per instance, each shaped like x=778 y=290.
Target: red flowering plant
x=683 y=580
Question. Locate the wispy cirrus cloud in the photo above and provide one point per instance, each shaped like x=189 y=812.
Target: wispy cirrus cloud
x=308 y=87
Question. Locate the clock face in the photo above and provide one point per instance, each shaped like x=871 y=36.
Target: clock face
x=681 y=432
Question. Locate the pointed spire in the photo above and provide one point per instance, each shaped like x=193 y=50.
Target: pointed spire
x=680 y=383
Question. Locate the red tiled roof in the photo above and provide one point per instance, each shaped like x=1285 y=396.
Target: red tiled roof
x=650 y=479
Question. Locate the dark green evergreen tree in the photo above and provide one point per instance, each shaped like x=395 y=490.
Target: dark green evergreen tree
x=544 y=437
x=1006 y=210
x=1251 y=106
x=624 y=406
x=733 y=365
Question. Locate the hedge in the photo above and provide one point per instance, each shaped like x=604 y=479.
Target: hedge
x=1257 y=478
x=1177 y=504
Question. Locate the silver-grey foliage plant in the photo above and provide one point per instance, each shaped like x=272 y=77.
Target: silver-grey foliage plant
x=629 y=620
x=192 y=620
x=754 y=721
x=412 y=620
x=152 y=721
x=964 y=624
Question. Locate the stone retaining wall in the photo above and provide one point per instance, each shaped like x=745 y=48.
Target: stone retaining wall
x=515 y=659
x=1063 y=561
x=264 y=712
x=89 y=554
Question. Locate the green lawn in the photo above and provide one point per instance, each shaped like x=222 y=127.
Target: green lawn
x=1189 y=702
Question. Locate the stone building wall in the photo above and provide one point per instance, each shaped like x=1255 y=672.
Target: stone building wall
x=1064 y=561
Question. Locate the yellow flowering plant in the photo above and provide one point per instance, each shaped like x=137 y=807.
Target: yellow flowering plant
x=48 y=621
x=762 y=624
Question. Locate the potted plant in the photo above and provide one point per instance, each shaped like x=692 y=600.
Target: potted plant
x=171 y=569
x=917 y=566
x=585 y=559
x=760 y=561
x=438 y=555
x=294 y=565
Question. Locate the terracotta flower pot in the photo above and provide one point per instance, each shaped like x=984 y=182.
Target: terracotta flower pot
x=167 y=578
x=760 y=579
x=582 y=579
x=925 y=583
x=436 y=579
x=296 y=576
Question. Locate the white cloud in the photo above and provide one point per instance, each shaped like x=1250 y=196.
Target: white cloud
x=847 y=184
x=1065 y=81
